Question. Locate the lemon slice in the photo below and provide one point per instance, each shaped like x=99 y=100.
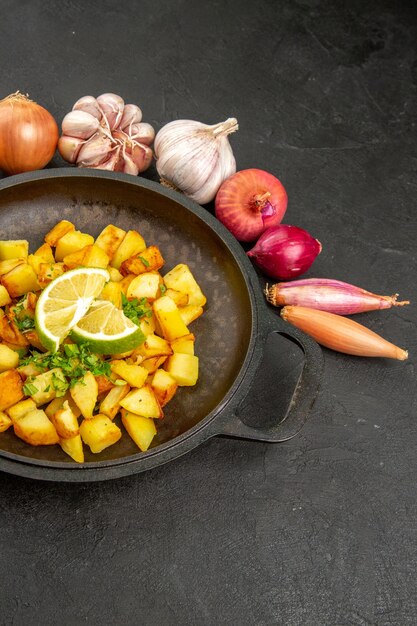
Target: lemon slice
x=65 y=301
x=107 y=330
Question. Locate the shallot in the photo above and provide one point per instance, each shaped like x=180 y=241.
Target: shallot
x=329 y=295
x=285 y=251
x=341 y=333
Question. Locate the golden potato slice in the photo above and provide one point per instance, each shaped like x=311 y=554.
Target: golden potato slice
x=148 y=260
x=49 y=271
x=145 y=285
x=132 y=244
x=183 y=368
x=59 y=230
x=36 y=429
x=141 y=429
x=181 y=279
x=153 y=346
x=164 y=386
x=135 y=375
x=57 y=403
x=20 y=280
x=5 y=422
x=99 y=433
x=71 y=242
x=4 y=296
x=184 y=344
x=74 y=448
x=20 y=409
x=13 y=249
x=10 y=333
x=180 y=299
x=152 y=364
x=11 y=389
x=169 y=318
x=190 y=313
x=65 y=422
x=45 y=385
x=9 y=359
x=113 y=293
x=89 y=256
x=110 y=239
x=84 y=393
x=110 y=405
x=142 y=402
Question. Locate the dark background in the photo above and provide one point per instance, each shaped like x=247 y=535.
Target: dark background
x=321 y=529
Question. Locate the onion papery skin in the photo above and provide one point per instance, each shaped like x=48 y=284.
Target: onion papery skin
x=249 y=202
x=28 y=135
x=284 y=251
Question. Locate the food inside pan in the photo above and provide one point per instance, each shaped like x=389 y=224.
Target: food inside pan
x=95 y=338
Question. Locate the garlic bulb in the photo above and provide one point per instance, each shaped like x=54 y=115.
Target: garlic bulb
x=105 y=133
x=194 y=157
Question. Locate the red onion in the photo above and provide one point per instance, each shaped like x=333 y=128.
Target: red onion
x=329 y=295
x=249 y=202
x=285 y=251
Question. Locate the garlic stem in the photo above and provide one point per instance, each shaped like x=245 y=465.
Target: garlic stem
x=225 y=128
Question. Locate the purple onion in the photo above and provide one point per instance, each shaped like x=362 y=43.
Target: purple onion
x=284 y=251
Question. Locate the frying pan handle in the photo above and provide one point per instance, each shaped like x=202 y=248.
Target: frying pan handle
x=304 y=394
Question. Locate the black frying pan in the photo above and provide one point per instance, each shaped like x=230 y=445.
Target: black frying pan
x=230 y=336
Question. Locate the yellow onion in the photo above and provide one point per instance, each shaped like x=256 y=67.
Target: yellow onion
x=28 y=135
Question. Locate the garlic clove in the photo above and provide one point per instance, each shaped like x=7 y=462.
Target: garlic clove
x=88 y=104
x=79 y=124
x=110 y=164
x=69 y=147
x=142 y=132
x=129 y=167
x=141 y=155
x=132 y=114
x=94 y=151
x=112 y=107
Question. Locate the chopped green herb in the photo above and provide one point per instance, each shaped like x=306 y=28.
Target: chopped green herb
x=29 y=389
x=73 y=360
x=71 y=349
x=144 y=261
x=60 y=385
x=136 y=309
x=162 y=289
x=25 y=323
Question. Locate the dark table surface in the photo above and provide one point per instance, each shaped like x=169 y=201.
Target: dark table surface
x=320 y=529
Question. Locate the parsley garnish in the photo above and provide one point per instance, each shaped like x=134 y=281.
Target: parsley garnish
x=162 y=289
x=60 y=385
x=29 y=389
x=25 y=323
x=19 y=315
x=74 y=362
x=144 y=261
x=136 y=309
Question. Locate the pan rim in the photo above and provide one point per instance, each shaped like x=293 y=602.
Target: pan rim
x=181 y=441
